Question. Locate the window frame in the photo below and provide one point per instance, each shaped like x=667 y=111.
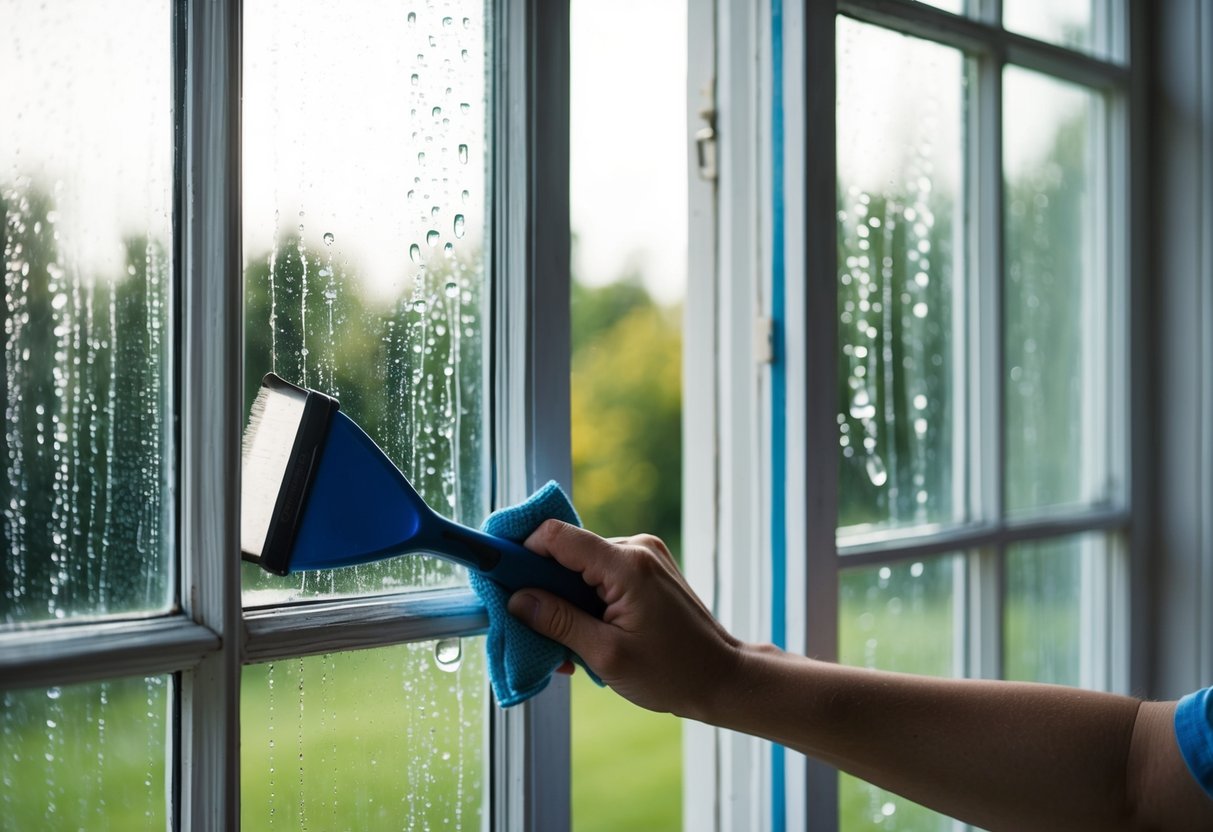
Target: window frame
x=788 y=790
x=208 y=637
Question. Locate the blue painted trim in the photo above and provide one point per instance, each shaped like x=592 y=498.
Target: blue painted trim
x=779 y=563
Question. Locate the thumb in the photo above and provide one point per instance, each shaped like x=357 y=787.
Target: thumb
x=557 y=619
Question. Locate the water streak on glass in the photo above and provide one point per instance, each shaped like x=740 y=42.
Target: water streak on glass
x=86 y=756
x=1056 y=404
x=364 y=127
x=387 y=739
x=86 y=199
x=900 y=250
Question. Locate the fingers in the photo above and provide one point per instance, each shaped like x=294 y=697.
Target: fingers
x=558 y=620
x=571 y=546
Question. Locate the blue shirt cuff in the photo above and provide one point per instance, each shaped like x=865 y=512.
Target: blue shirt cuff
x=1194 y=733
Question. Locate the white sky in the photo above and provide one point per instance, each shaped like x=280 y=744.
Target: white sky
x=629 y=141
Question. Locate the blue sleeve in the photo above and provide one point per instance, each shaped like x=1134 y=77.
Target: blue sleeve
x=1194 y=732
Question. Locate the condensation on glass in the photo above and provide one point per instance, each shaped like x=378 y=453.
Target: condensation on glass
x=1077 y=24
x=88 y=756
x=1055 y=296
x=365 y=243
x=904 y=617
x=392 y=738
x=1051 y=613
x=86 y=173
x=900 y=268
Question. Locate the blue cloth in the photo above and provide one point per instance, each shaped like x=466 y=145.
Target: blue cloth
x=521 y=661
x=1194 y=732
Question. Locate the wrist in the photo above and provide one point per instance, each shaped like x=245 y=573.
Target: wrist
x=743 y=676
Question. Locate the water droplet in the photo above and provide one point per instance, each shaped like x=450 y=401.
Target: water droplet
x=464 y=107
x=452 y=290
x=415 y=253
x=330 y=294
x=59 y=301
x=421 y=157
x=431 y=237
x=876 y=471
x=465 y=196
x=920 y=310
x=447 y=21
x=920 y=402
x=328 y=238
x=437 y=111
x=448 y=654
x=412 y=18
x=416 y=79
x=419 y=306
x=463 y=154
x=916 y=569
x=449 y=249
x=53 y=693
x=459 y=226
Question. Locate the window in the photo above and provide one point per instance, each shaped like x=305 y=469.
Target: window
x=924 y=250
x=360 y=198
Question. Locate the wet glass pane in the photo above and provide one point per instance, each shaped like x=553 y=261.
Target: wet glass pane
x=85 y=756
x=904 y=617
x=1056 y=403
x=86 y=177
x=1046 y=606
x=1078 y=24
x=900 y=261
x=392 y=738
x=365 y=232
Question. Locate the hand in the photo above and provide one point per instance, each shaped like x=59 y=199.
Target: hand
x=657 y=644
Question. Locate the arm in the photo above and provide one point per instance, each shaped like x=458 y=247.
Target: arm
x=998 y=754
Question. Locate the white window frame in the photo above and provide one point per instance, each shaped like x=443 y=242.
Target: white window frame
x=210 y=637
x=728 y=778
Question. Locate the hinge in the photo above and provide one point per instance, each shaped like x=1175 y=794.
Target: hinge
x=705 y=137
x=764 y=341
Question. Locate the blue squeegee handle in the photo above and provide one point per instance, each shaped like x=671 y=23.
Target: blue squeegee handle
x=513 y=566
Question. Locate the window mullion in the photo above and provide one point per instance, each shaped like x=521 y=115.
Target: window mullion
x=208 y=754
x=983 y=288
x=530 y=381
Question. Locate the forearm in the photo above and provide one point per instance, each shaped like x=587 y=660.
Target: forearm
x=1000 y=755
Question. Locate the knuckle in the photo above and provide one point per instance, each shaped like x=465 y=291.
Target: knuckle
x=560 y=622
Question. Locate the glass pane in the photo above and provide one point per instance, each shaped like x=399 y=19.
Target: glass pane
x=1079 y=24
x=900 y=261
x=86 y=183
x=1046 y=606
x=86 y=756
x=392 y=738
x=1055 y=403
x=904 y=617
x=365 y=232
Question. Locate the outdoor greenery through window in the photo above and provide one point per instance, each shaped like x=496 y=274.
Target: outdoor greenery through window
x=934 y=450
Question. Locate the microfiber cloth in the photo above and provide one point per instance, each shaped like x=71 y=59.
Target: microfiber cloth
x=521 y=662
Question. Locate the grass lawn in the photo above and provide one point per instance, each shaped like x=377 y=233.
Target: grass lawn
x=627 y=763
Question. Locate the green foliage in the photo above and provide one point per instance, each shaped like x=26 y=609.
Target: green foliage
x=627 y=412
